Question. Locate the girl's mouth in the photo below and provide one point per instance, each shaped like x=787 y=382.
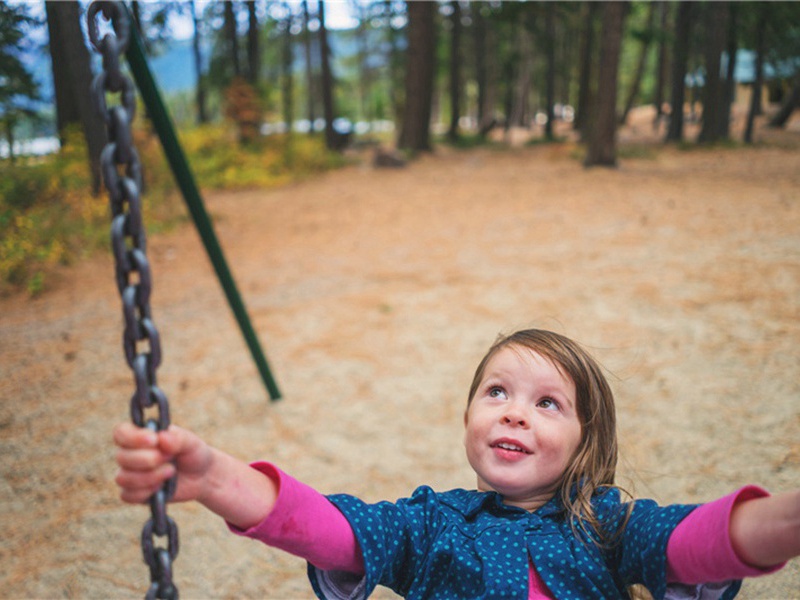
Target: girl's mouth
x=510 y=446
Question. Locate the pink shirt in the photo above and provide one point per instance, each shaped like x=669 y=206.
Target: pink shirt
x=304 y=523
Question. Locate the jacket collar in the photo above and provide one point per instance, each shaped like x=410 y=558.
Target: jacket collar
x=471 y=502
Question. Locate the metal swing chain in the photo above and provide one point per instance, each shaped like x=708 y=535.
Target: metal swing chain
x=122 y=174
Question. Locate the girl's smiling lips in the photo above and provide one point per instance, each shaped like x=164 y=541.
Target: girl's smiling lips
x=510 y=445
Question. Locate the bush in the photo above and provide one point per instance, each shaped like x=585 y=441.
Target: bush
x=218 y=161
x=48 y=216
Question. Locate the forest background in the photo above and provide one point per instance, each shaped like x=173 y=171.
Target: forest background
x=404 y=77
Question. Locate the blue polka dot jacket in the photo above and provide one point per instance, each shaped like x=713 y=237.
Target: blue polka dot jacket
x=465 y=544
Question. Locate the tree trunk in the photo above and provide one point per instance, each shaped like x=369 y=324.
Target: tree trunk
x=714 y=91
x=420 y=66
x=253 y=51
x=10 y=123
x=309 y=68
x=72 y=78
x=200 y=89
x=331 y=139
x=791 y=102
x=585 y=92
x=479 y=30
x=729 y=88
x=521 y=86
x=550 y=87
x=680 y=57
x=492 y=86
x=508 y=76
x=758 y=84
x=485 y=70
x=601 y=148
x=364 y=73
x=640 y=65
x=661 y=70
x=232 y=38
x=394 y=60
x=67 y=105
x=287 y=89
x=455 y=72
x=564 y=59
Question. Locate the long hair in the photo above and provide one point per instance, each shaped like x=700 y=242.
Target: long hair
x=593 y=466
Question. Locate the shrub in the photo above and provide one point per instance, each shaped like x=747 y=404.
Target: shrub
x=49 y=217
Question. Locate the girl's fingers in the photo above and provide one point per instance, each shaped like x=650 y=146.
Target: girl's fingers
x=140 y=460
x=140 y=485
x=176 y=440
x=128 y=435
x=137 y=495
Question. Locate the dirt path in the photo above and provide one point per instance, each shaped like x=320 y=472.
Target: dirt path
x=374 y=294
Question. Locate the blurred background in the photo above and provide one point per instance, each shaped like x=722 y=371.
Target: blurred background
x=264 y=92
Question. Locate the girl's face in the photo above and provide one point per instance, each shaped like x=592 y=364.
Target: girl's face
x=522 y=427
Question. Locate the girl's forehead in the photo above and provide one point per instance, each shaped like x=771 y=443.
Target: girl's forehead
x=525 y=356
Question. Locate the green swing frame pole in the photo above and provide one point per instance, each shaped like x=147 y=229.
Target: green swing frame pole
x=191 y=195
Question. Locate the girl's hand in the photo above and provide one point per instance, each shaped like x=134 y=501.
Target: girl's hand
x=223 y=484
x=147 y=459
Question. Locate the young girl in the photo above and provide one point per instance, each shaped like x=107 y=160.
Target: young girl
x=545 y=521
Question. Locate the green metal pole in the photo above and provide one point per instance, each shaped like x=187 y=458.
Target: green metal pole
x=183 y=176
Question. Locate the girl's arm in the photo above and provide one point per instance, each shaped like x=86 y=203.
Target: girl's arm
x=766 y=531
x=258 y=501
x=701 y=548
x=303 y=522
x=225 y=485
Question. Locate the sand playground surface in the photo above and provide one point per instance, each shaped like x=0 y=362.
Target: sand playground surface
x=374 y=293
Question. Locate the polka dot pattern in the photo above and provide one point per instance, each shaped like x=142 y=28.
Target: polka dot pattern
x=465 y=544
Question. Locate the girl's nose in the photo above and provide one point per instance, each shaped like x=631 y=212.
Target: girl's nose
x=514 y=417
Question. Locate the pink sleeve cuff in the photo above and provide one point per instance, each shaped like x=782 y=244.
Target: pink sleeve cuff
x=303 y=522
x=700 y=549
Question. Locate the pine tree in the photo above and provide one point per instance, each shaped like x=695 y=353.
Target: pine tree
x=18 y=89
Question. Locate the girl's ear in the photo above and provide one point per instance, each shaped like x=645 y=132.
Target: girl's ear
x=466 y=420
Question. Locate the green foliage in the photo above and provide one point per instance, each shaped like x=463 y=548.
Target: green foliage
x=220 y=162
x=48 y=216
x=15 y=79
x=17 y=86
x=543 y=141
x=637 y=34
x=467 y=141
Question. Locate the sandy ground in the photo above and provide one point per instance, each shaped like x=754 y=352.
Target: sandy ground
x=375 y=293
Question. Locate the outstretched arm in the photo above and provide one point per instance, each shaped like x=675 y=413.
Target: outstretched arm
x=713 y=545
x=304 y=522
x=766 y=531
x=223 y=484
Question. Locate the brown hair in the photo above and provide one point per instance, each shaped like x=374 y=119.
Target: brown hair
x=594 y=463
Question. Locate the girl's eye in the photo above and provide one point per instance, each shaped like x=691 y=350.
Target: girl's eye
x=548 y=404
x=497 y=392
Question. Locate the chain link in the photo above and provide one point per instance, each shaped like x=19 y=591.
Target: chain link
x=122 y=174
